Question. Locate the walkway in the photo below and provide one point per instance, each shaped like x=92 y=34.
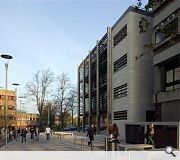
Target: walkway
x=55 y=144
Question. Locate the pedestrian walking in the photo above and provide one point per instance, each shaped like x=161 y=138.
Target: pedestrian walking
x=23 y=135
x=18 y=132
x=90 y=133
x=14 y=133
x=115 y=131
x=37 y=133
x=11 y=134
x=150 y=134
x=48 y=132
x=32 y=131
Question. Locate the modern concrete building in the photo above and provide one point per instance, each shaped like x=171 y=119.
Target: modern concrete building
x=166 y=61
x=132 y=70
x=11 y=110
x=114 y=83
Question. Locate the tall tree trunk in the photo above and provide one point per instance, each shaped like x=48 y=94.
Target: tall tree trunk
x=41 y=122
x=72 y=118
x=62 y=121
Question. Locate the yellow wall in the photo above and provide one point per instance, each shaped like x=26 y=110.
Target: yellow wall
x=11 y=111
x=19 y=119
x=27 y=119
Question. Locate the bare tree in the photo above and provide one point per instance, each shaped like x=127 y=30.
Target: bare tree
x=72 y=103
x=63 y=90
x=49 y=112
x=38 y=87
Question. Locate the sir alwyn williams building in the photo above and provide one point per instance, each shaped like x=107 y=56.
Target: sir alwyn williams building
x=123 y=81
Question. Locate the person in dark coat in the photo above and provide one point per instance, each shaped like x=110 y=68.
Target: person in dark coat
x=23 y=135
x=32 y=131
x=90 y=133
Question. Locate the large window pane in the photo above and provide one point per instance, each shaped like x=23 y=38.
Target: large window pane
x=159 y=37
x=169 y=76
x=177 y=73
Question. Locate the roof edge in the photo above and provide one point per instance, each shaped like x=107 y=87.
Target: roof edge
x=132 y=9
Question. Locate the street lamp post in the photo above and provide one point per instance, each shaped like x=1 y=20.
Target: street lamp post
x=48 y=116
x=8 y=57
x=22 y=117
x=16 y=133
x=20 y=97
x=21 y=106
x=16 y=84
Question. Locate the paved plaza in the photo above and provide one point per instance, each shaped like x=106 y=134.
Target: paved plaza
x=68 y=143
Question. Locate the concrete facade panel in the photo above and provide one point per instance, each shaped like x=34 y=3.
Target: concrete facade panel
x=170 y=108
x=165 y=12
x=138 y=74
x=166 y=54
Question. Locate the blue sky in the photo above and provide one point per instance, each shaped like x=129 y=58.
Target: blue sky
x=55 y=34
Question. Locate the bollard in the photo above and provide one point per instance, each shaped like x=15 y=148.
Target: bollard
x=74 y=141
x=106 y=144
x=81 y=143
x=60 y=136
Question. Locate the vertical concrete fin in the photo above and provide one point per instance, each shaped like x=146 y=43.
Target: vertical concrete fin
x=78 y=92
x=109 y=74
x=89 y=89
x=97 y=87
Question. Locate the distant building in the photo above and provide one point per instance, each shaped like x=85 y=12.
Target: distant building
x=11 y=110
x=25 y=120
x=15 y=117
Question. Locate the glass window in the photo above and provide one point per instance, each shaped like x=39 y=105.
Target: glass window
x=177 y=73
x=166 y=31
x=172 y=74
x=159 y=36
x=169 y=76
x=177 y=77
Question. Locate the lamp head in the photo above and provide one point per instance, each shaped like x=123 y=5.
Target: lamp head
x=15 y=84
x=5 y=56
